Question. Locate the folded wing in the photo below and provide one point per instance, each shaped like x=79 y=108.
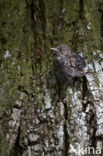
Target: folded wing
x=77 y=61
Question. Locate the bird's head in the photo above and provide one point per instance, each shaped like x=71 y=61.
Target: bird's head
x=62 y=49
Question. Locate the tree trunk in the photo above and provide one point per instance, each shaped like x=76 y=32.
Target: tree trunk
x=37 y=116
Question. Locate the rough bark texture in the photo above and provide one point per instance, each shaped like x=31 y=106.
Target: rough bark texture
x=38 y=117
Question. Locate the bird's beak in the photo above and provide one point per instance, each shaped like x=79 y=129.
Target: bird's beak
x=55 y=49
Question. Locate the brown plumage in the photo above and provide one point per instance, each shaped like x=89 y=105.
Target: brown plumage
x=68 y=64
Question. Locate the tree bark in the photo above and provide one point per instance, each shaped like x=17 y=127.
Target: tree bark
x=37 y=116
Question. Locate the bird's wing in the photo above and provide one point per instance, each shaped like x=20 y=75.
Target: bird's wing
x=72 y=66
x=65 y=69
x=74 y=72
x=77 y=61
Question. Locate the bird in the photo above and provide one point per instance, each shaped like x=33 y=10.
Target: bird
x=68 y=64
